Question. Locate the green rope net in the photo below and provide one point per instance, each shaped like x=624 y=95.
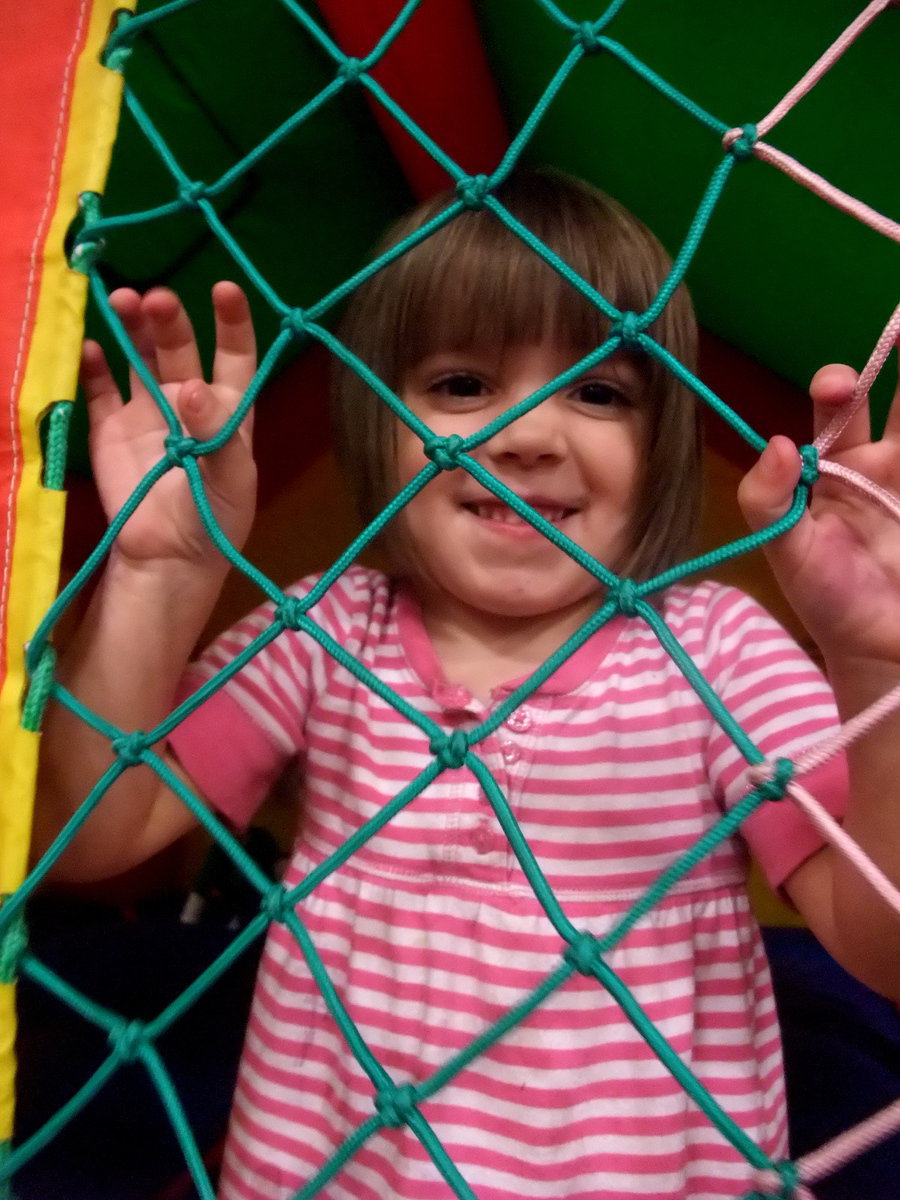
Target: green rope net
x=585 y=953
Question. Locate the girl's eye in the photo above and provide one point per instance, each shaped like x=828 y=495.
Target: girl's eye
x=459 y=384
x=599 y=394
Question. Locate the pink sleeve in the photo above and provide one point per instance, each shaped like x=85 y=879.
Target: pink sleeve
x=237 y=743
x=784 y=704
x=240 y=740
x=229 y=758
x=779 y=835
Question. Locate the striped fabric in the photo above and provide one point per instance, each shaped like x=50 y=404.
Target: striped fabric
x=430 y=932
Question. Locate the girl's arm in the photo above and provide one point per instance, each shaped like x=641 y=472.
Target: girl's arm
x=162 y=579
x=840 y=569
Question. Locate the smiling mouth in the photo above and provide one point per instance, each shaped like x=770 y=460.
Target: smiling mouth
x=494 y=510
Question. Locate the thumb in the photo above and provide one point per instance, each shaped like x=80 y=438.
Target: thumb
x=230 y=469
x=200 y=410
x=767 y=490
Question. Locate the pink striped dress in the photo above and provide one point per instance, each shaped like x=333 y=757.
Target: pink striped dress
x=430 y=932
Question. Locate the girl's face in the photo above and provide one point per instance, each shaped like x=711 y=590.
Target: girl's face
x=575 y=458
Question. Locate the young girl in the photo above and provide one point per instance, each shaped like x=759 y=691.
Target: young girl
x=612 y=767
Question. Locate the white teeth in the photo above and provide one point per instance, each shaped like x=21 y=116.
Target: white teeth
x=504 y=514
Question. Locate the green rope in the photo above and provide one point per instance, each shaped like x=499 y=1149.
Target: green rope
x=581 y=951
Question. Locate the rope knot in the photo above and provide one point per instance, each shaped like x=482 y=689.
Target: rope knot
x=473 y=189
x=809 y=472
x=628 y=328
x=444 y=452
x=192 y=192
x=130 y=748
x=350 y=70
x=587 y=37
x=275 y=903
x=626 y=597
x=739 y=142
x=290 y=612
x=180 y=447
x=771 y=779
x=294 y=322
x=395 y=1105
x=128 y=1039
x=582 y=953
x=779 y=1182
x=13 y=944
x=450 y=751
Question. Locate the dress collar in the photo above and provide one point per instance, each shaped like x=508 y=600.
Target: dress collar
x=421 y=656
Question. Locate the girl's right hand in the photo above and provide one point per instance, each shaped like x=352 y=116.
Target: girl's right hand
x=127 y=438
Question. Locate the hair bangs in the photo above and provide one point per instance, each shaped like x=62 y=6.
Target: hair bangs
x=475 y=282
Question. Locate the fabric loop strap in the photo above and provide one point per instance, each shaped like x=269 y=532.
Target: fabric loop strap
x=13 y=944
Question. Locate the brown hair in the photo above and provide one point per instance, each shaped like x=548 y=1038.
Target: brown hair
x=474 y=282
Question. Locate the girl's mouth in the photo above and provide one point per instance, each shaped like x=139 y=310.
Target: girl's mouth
x=497 y=511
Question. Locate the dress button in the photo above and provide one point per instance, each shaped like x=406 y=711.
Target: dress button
x=520 y=720
x=483 y=838
x=511 y=752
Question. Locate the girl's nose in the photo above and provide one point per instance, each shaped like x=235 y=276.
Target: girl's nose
x=536 y=437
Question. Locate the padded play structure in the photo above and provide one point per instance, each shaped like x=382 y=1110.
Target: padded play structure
x=272 y=140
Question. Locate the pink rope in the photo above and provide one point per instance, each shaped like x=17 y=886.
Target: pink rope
x=826 y=825
x=832 y=832
x=770 y=1183
x=795 y=170
x=890 y=336
x=819 y=68
x=834 y=1154
x=820 y=186
x=850 y=1144
x=819 y=753
x=863 y=486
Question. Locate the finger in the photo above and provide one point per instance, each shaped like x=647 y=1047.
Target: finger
x=126 y=303
x=767 y=490
x=831 y=391
x=98 y=383
x=177 y=354
x=235 y=360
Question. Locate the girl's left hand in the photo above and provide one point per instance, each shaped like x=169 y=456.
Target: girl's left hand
x=839 y=566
